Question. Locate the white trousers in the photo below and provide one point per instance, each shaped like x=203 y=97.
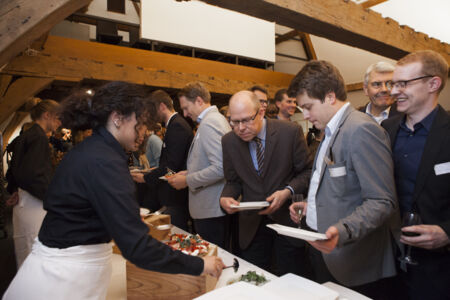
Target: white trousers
x=75 y=273
x=28 y=215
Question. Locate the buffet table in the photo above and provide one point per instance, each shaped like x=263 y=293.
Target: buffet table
x=131 y=282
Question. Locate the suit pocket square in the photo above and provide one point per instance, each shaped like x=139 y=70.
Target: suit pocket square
x=337 y=171
x=441 y=169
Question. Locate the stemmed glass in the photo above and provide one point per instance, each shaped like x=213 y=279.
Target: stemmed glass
x=409 y=219
x=299 y=198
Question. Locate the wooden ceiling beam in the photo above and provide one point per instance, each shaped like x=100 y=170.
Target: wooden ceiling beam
x=285 y=37
x=308 y=45
x=24 y=21
x=342 y=21
x=5 y=80
x=369 y=3
x=19 y=92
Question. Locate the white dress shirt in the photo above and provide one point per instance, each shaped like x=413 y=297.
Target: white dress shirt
x=330 y=129
x=383 y=115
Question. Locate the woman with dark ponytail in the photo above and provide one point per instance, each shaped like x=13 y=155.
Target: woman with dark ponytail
x=32 y=171
x=90 y=201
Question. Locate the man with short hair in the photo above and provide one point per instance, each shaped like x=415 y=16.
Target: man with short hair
x=376 y=80
x=286 y=105
x=351 y=196
x=421 y=149
x=255 y=170
x=175 y=148
x=262 y=94
x=204 y=176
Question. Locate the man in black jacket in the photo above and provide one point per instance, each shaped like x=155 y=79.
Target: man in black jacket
x=174 y=152
x=420 y=145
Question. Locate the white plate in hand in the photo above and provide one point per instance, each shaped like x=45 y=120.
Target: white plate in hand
x=251 y=205
x=297 y=233
x=144 y=212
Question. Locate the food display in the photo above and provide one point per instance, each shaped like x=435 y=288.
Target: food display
x=189 y=244
x=250 y=277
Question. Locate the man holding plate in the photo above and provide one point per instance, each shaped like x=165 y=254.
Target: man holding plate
x=263 y=160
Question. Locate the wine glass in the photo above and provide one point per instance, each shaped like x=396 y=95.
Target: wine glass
x=409 y=219
x=299 y=198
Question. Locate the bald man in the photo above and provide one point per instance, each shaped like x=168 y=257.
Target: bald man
x=264 y=160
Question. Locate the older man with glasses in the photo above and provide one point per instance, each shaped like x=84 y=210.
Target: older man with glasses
x=264 y=160
x=376 y=81
x=421 y=150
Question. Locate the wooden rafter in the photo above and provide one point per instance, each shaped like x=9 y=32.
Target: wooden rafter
x=342 y=21
x=5 y=81
x=354 y=86
x=308 y=45
x=370 y=3
x=285 y=37
x=24 y=21
x=20 y=91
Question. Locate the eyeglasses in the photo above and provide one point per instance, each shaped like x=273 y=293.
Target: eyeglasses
x=262 y=101
x=379 y=84
x=401 y=84
x=245 y=122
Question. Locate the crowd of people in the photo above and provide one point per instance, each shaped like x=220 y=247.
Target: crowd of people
x=359 y=171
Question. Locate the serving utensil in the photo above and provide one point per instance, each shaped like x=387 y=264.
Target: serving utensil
x=235 y=265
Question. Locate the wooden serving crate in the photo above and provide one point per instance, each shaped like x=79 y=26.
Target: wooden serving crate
x=143 y=284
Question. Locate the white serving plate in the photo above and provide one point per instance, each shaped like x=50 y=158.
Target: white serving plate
x=297 y=233
x=251 y=205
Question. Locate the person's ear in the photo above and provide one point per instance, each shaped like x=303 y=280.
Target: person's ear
x=434 y=84
x=330 y=98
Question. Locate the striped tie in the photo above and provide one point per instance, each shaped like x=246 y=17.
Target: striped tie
x=259 y=154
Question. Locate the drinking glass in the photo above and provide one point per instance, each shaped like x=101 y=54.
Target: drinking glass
x=299 y=198
x=409 y=219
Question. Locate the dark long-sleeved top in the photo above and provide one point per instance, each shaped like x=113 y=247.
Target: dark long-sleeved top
x=31 y=165
x=91 y=200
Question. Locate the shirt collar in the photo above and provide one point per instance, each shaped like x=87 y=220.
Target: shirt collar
x=203 y=113
x=426 y=122
x=170 y=119
x=262 y=133
x=384 y=113
x=334 y=122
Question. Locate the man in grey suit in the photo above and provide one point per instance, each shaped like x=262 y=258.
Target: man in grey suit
x=264 y=160
x=351 y=197
x=204 y=175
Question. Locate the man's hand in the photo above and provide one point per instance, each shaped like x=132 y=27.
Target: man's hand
x=226 y=203
x=213 y=266
x=178 y=181
x=328 y=245
x=293 y=211
x=138 y=177
x=13 y=200
x=276 y=200
x=431 y=236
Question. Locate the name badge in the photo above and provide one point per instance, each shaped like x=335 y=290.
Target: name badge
x=337 y=172
x=441 y=169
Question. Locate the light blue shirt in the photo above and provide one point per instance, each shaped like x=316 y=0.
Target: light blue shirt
x=330 y=129
x=153 y=150
x=203 y=113
x=252 y=144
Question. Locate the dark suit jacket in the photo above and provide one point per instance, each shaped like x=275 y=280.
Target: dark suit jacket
x=431 y=192
x=392 y=112
x=287 y=161
x=174 y=152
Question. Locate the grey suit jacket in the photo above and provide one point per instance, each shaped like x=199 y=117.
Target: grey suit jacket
x=357 y=189
x=205 y=169
x=286 y=162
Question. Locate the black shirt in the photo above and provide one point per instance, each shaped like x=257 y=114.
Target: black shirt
x=91 y=200
x=31 y=164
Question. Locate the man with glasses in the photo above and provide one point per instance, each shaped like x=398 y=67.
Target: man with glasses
x=264 y=160
x=376 y=81
x=421 y=150
x=351 y=196
x=262 y=95
x=286 y=105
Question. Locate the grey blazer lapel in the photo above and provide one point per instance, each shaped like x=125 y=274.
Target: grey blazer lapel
x=328 y=152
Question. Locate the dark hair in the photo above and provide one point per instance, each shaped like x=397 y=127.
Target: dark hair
x=193 y=90
x=160 y=96
x=81 y=111
x=279 y=95
x=44 y=106
x=258 y=88
x=318 y=78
